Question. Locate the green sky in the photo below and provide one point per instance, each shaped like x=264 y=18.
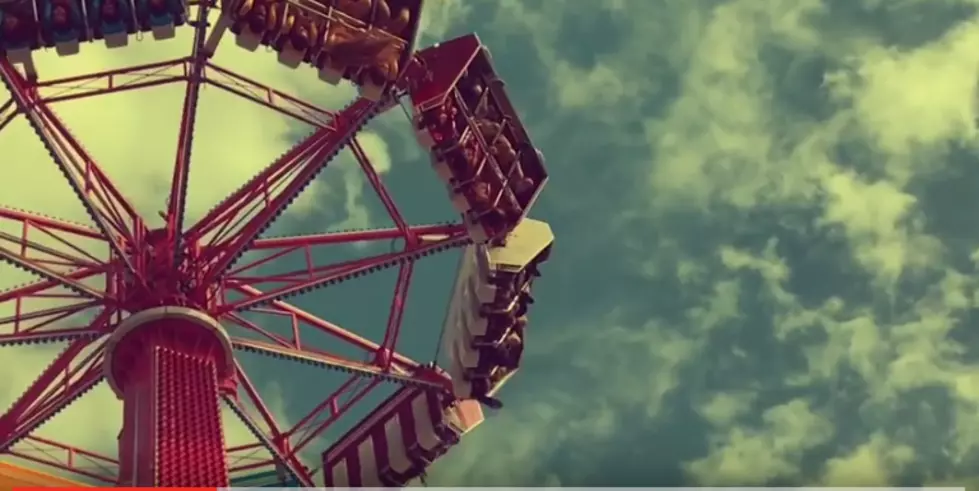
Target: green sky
x=764 y=271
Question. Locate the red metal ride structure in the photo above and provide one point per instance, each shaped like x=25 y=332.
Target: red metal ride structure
x=167 y=301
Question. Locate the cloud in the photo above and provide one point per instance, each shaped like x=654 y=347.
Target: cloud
x=592 y=382
x=902 y=121
x=871 y=463
x=756 y=457
x=787 y=252
x=724 y=408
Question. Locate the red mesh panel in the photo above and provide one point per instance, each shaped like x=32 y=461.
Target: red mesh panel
x=189 y=440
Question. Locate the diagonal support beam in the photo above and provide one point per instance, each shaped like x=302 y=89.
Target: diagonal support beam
x=29 y=245
x=53 y=336
x=104 y=82
x=177 y=200
x=170 y=72
x=311 y=426
x=245 y=382
x=303 y=477
x=8 y=111
x=239 y=220
x=59 y=385
x=400 y=362
x=25 y=218
x=320 y=277
x=114 y=216
x=67 y=392
x=66 y=458
x=14 y=423
x=59 y=312
x=272 y=442
x=38 y=288
x=308 y=246
x=393 y=328
x=325 y=360
x=268 y=97
x=425 y=233
x=50 y=274
x=375 y=180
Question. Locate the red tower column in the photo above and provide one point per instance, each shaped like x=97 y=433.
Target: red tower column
x=169 y=365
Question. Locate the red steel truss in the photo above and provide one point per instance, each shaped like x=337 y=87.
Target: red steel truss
x=147 y=311
x=199 y=267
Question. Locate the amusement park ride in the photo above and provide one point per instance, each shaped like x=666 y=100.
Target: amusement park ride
x=169 y=300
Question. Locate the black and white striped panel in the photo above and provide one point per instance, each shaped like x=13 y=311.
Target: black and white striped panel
x=399 y=440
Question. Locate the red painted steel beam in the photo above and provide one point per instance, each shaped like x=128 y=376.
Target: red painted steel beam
x=31 y=250
x=109 y=77
x=38 y=337
x=176 y=202
x=245 y=383
x=49 y=273
x=273 y=440
x=37 y=441
x=246 y=453
x=256 y=329
x=296 y=242
x=290 y=461
x=313 y=425
x=276 y=100
x=246 y=457
x=82 y=380
x=375 y=181
x=58 y=311
x=39 y=287
x=327 y=360
x=317 y=277
x=28 y=219
x=400 y=362
x=112 y=81
x=283 y=247
x=114 y=216
x=60 y=456
x=58 y=386
x=168 y=72
x=310 y=270
x=393 y=328
x=57 y=455
x=8 y=111
x=42 y=317
x=222 y=222
x=222 y=226
x=252 y=210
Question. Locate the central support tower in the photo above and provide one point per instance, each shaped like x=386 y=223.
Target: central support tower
x=169 y=366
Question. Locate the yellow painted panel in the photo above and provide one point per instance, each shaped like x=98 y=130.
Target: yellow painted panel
x=14 y=476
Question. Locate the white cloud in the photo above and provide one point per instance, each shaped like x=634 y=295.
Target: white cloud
x=869 y=464
x=751 y=456
x=724 y=408
x=918 y=98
